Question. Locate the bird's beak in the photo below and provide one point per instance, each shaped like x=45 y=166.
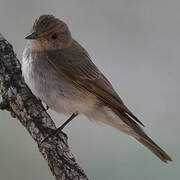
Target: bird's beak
x=32 y=36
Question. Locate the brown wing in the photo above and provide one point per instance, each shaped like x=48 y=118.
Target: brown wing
x=75 y=65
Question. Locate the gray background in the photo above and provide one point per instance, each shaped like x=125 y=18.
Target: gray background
x=136 y=44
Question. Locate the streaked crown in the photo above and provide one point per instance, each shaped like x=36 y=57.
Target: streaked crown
x=45 y=23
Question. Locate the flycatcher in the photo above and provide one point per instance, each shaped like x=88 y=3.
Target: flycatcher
x=59 y=71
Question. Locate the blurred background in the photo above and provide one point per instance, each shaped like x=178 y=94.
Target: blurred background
x=136 y=44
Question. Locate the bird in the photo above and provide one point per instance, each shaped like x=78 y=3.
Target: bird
x=60 y=72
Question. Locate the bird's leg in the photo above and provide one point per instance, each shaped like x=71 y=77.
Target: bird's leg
x=55 y=132
x=67 y=121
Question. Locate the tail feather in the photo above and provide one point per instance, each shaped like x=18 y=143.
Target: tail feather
x=154 y=148
x=134 y=130
x=126 y=124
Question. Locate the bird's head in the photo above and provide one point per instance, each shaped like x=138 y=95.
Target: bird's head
x=49 y=33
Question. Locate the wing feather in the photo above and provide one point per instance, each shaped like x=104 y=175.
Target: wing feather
x=75 y=65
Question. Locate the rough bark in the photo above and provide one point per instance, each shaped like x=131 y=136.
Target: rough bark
x=23 y=105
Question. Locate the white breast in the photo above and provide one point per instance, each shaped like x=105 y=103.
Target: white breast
x=58 y=94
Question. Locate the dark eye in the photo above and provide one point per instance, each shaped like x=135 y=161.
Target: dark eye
x=54 y=36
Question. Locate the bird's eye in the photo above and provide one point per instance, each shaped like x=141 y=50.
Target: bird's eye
x=54 y=36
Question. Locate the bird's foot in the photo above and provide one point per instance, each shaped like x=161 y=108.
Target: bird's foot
x=55 y=132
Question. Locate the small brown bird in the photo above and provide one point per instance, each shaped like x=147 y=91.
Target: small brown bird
x=60 y=72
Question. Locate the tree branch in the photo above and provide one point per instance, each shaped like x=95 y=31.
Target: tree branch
x=23 y=105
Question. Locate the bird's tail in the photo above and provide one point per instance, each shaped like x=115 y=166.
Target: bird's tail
x=131 y=128
x=141 y=136
x=154 y=148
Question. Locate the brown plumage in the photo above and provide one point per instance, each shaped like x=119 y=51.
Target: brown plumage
x=70 y=63
x=83 y=73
